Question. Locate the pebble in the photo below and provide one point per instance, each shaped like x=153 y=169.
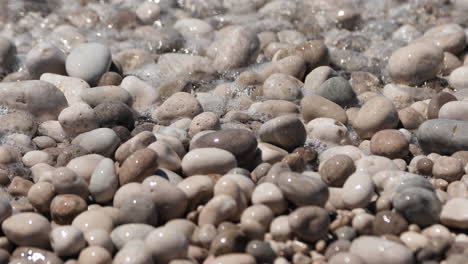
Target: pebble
x=261 y=251
x=143 y=95
x=455 y=213
x=448 y=37
x=85 y=165
x=88 y=61
x=65 y=207
x=377 y=250
x=110 y=79
x=66 y=181
x=204 y=121
x=415 y=63
x=358 y=190
x=336 y=170
x=270 y=195
x=94 y=254
x=93 y=219
x=103 y=94
x=235 y=258
x=436 y=103
x=45 y=58
x=240 y=142
x=141 y=164
x=40 y=196
x=346 y=257
x=137 y=142
x=208 y=161
x=123 y=234
x=104 y=181
x=166 y=244
x=337 y=90
x=198 y=188
x=167 y=157
x=67 y=240
x=25 y=254
x=315 y=106
x=272 y=108
x=389 y=143
x=177 y=106
x=447 y=168
x=414 y=240
x=42 y=99
x=328 y=131
x=314 y=52
x=103 y=141
x=228 y=241
x=455 y=110
x=457 y=78
x=114 y=113
x=133 y=252
x=220 y=208
x=442 y=136
x=100 y=238
x=376 y=114
x=77 y=119
x=280 y=86
x=389 y=222
x=418 y=205
x=302 y=190
x=287 y=132
x=138 y=209
x=309 y=222
x=27 y=229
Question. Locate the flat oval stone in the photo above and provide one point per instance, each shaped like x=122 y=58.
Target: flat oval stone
x=240 y=142
x=303 y=190
x=287 y=132
x=208 y=161
x=415 y=63
x=177 y=106
x=310 y=223
x=418 y=205
x=376 y=114
x=337 y=169
x=443 y=136
x=456 y=110
x=27 y=229
x=358 y=190
x=315 y=106
x=125 y=233
x=102 y=141
x=141 y=164
x=88 y=61
x=377 y=250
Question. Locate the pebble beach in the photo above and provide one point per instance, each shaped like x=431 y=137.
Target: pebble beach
x=233 y=131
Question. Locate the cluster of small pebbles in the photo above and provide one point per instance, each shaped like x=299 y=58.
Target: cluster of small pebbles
x=233 y=131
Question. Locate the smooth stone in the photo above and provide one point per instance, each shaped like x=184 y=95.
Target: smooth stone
x=376 y=114
x=287 y=132
x=456 y=110
x=447 y=168
x=66 y=181
x=261 y=251
x=138 y=209
x=84 y=165
x=133 y=252
x=71 y=87
x=43 y=142
x=272 y=108
x=100 y=238
x=410 y=118
x=34 y=157
x=102 y=94
x=115 y=113
x=303 y=190
x=166 y=244
x=389 y=222
x=436 y=103
x=141 y=164
x=443 y=136
x=42 y=99
x=104 y=181
x=282 y=87
x=448 y=37
x=220 y=208
x=337 y=90
x=336 y=170
x=88 y=61
x=94 y=254
x=457 y=78
x=65 y=207
x=137 y=142
x=53 y=129
x=93 y=219
x=328 y=131
x=40 y=196
x=315 y=78
x=235 y=258
x=340 y=245
x=171 y=202
x=310 y=223
x=110 y=78
x=204 y=121
x=415 y=63
x=123 y=234
x=418 y=205
x=270 y=195
x=271 y=153
x=315 y=106
x=389 y=143
x=44 y=58
x=256 y=216
x=455 y=213
x=167 y=157
x=358 y=191
x=67 y=240
x=377 y=250
x=78 y=118
x=346 y=257
x=198 y=188
x=178 y=105
x=102 y=141
x=228 y=241
x=240 y=142
x=24 y=255
x=27 y=229
x=208 y=161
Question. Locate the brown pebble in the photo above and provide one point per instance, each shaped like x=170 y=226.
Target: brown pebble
x=110 y=78
x=230 y=241
x=389 y=143
x=437 y=102
x=306 y=153
x=65 y=207
x=294 y=161
x=19 y=186
x=309 y=223
x=424 y=166
x=141 y=164
x=40 y=196
x=462 y=156
x=448 y=168
x=336 y=170
x=388 y=222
